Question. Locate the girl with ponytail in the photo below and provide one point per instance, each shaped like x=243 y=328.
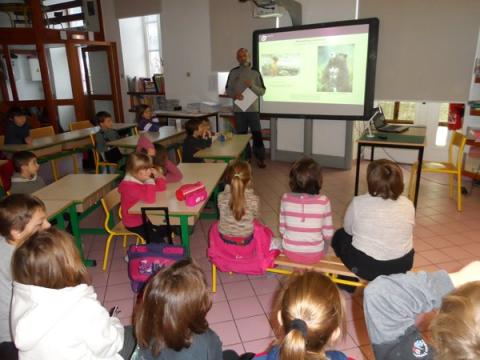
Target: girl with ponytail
x=239 y=242
x=310 y=311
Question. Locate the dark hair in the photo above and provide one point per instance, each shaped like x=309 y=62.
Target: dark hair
x=161 y=156
x=14 y=112
x=139 y=110
x=385 y=179
x=16 y=211
x=49 y=259
x=192 y=125
x=174 y=308
x=22 y=158
x=306 y=176
x=101 y=116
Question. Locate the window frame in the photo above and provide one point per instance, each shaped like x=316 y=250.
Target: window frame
x=145 y=24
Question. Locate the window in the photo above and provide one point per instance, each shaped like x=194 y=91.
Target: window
x=442 y=130
x=151 y=25
x=399 y=111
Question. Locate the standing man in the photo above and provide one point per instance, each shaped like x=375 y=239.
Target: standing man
x=240 y=78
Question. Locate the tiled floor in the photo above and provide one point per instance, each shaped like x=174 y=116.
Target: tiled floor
x=443 y=239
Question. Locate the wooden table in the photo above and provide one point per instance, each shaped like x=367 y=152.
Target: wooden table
x=83 y=191
x=226 y=150
x=414 y=138
x=209 y=173
x=188 y=115
x=55 y=210
x=167 y=136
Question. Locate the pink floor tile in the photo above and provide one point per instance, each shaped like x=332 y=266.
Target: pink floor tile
x=355 y=353
x=238 y=290
x=219 y=312
x=219 y=295
x=266 y=301
x=99 y=278
x=345 y=343
x=353 y=311
x=420 y=260
x=125 y=306
x=118 y=292
x=118 y=277
x=227 y=331
x=436 y=256
x=246 y=307
x=265 y=285
x=456 y=252
x=253 y=328
x=258 y=346
x=227 y=278
x=358 y=331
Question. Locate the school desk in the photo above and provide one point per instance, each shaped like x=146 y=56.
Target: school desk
x=84 y=191
x=209 y=173
x=167 y=136
x=413 y=138
x=55 y=210
x=188 y=115
x=226 y=150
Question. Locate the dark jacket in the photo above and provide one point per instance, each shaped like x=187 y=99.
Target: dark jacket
x=191 y=145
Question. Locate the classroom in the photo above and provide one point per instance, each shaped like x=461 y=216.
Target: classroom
x=185 y=167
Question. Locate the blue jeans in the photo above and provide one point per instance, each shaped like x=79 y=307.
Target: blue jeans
x=251 y=120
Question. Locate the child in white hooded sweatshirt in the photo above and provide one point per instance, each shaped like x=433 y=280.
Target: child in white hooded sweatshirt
x=55 y=312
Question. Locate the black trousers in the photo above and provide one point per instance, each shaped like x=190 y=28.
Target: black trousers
x=251 y=120
x=8 y=351
x=364 y=266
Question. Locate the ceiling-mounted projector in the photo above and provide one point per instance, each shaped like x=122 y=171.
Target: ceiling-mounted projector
x=266 y=11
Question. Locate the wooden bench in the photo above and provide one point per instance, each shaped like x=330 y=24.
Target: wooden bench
x=330 y=265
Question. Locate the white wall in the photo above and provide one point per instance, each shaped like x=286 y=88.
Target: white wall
x=26 y=88
x=133 y=47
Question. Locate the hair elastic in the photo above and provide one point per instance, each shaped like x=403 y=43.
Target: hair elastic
x=300 y=325
x=237 y=175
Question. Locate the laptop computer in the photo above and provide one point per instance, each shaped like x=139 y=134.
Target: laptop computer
x=380 y=124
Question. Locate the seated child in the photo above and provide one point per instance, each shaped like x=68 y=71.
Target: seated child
x=141 y=182
x=104 y=135
x=377 y=234
x=311 y=314
x=238 y=242
x=144 y=119
x=305 y=215
x=21 y=216
x=171 y=318
x=197 y=139
x=17 y=129
x=55 y=311
x=159 y=155
x=25 y=180
x=392 y=304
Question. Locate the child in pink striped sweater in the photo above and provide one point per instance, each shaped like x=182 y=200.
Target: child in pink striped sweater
x=305 y=215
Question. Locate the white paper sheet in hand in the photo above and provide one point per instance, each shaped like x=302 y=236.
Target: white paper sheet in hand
x=248 y=98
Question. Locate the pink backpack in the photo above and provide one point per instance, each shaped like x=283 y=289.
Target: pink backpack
x=253 y=258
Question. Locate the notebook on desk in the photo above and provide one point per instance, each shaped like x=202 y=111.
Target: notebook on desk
x=381 y=125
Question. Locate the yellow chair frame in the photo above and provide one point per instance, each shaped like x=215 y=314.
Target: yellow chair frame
x=78 y=125
x=452 y=167
x=98 y=158
x=109 y=201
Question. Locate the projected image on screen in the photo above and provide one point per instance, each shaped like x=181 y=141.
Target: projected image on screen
x=321 y=69
x=335 y=68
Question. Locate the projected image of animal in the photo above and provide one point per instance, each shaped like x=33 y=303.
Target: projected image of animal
x=335 y=76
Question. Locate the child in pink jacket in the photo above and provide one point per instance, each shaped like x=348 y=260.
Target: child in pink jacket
x=140 y=183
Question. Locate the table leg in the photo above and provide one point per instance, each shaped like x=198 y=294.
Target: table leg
x=419 y=174
x=372 y=153
x=185 y=236
x=76 y=234
x=60 y=221
x=216 y=120
x=357 y=170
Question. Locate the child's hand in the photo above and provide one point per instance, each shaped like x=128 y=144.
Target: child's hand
x=151 y=152
x=207 y=134
x=157 y=173
x=28 y=140
x=468 y=273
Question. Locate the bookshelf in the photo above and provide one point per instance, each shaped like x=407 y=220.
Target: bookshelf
x=144 y=97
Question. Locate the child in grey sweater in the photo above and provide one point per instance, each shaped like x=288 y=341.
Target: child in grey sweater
x=392 y=303
x=25 y=180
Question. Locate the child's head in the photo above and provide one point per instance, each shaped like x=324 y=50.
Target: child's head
x=104 y=120
x=21 y=215
x=311 y=314
x=385 y=179
x=455 y=328
x=25 y=163
x=205 y=124
x=193 y=127
x=161 y=156
x=139 y=166
x=306 y=176
x=143 y=111
x=17 y=116
x=238 y=176
x=49 y=259
x=174 y=308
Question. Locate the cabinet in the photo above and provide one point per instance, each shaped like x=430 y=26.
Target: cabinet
x=152 y=99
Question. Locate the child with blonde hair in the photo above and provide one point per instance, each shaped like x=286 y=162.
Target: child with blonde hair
x=305 y=214
x=140 y=183
x=312 y=317
x=393 y=303
x=238 y=235
x=55 y=311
